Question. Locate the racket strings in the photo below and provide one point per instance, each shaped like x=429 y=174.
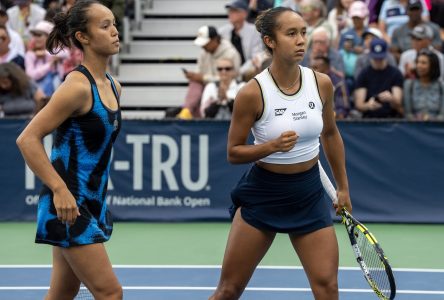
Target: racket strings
x=84 y=294
x=372 y=260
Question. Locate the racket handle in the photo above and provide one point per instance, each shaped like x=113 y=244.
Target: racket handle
x=328 y=186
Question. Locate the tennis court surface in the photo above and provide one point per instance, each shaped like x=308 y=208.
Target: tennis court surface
x=182 y=261
x=197 y=282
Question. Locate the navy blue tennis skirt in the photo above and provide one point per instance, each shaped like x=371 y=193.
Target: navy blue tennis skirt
x=286 y=203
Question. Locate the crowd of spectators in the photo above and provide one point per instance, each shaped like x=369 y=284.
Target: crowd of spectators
x=24 y=28
x=373 y=51
x=357 y=43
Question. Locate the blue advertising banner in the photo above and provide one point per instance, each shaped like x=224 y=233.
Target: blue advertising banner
x=160 y=171
x=178 y=171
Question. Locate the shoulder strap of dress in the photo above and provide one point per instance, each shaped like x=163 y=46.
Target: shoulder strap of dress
x=84 y=70
x=113 y=86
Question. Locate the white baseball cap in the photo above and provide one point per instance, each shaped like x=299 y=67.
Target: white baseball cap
x=204 y=35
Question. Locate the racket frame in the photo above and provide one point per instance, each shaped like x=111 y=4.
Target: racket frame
x=350 y=223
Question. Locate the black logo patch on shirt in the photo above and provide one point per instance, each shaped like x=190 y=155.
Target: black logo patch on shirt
x=311 y=104
x=279 y=111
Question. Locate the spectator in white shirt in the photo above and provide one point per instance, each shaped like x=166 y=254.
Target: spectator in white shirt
x=17 y=45
x=6 y=53
x=218 y=97
x=25 y=15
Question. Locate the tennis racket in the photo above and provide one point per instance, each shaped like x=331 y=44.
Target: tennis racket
x=368 y=252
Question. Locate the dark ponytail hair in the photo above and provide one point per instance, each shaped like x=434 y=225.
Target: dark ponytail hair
x=67 y=24
x=266 y=23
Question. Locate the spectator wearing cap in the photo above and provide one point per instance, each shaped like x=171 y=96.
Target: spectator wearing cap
x=213 y=49
x=378 y=92
x=358 y=12
x=401 y=40
x=46 y=69
x=16 y=44
x=421 y=37
x=244 y=37
x=23 y=16
x=393 y=15
x=7 y=53
x=363 y=60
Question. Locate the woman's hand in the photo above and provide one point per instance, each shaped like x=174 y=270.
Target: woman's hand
x=343 y=202
x=286 y=141
x=66 y=206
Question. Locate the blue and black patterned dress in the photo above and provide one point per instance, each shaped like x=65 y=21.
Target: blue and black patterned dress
x=81 y=156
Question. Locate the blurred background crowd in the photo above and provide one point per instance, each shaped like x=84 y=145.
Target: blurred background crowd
x=384 y=57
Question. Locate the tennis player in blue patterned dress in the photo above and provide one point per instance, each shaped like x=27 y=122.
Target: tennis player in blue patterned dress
x=85 y=114
x=289 y=109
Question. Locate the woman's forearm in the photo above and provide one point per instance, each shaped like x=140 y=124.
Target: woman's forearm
x=35 y=156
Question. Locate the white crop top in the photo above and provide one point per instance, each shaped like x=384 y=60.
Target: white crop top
x=300 y=112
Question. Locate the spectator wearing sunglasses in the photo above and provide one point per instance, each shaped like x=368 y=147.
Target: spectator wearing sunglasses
x=218 y=97
x=424 y=95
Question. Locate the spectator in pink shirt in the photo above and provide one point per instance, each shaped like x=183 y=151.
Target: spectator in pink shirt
x=46 y=69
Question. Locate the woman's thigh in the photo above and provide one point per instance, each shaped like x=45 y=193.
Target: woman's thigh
x=64 y=282
x=319 y=254
x=92 y=266
x=246 y=246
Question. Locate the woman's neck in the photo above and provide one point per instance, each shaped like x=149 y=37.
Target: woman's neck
x=424 y=80
x=284 y=74
x=97 y=66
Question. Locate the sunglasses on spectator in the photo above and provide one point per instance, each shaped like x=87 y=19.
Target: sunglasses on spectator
x=220 y=69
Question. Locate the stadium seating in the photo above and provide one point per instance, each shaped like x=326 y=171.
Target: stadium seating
x=159 y=44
